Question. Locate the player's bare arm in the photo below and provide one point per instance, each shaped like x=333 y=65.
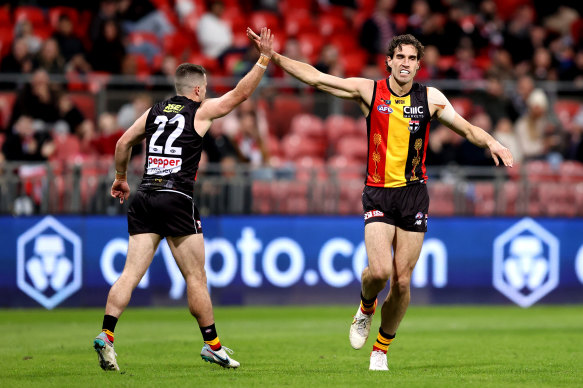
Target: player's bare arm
x=441 y=108
x=358 y=89
x=214 y=108
x=123 y=151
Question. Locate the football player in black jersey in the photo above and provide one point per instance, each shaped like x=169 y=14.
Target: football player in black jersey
x=163 y=205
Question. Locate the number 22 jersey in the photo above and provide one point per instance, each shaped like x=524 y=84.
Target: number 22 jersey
x=173 y=147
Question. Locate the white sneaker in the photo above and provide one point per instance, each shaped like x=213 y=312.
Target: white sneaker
x=378 y=360
x=360 y=329
x=105 y=352
x=219 y=357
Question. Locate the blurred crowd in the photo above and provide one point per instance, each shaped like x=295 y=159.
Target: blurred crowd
x=509 y=42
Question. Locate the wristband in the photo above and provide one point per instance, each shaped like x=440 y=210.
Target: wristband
x=121 y=176
x=261 y=66
x=263 y=61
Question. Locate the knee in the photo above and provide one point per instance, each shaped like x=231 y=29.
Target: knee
x=379 y=274
x=401 y=284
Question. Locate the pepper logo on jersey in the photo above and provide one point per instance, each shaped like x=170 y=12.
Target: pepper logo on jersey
x=384 y=109
x=162 y=165
x=173 y=108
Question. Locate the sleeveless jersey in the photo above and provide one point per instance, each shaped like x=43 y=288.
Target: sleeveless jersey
x=173 y=147
x=397 y=131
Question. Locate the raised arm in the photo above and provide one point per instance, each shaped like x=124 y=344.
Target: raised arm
x=358 y=89
x=123 y=151
x=214 y=108
x=441 y=108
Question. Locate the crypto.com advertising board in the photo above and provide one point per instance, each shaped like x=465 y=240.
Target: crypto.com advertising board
x=72 y=261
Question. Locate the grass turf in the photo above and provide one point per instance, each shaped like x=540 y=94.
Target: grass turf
x=297 y=347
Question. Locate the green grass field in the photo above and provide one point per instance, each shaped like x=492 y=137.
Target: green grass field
x=297 y=347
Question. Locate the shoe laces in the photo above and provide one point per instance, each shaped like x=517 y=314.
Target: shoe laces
x=361 y=321
x=228 y=350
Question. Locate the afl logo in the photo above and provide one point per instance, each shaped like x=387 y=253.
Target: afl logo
x=385 y=109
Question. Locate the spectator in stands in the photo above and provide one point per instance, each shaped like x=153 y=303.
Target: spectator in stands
x=165 y=74
x=518 y=96
x=504 y=133
x=25 y=143
x=49 y=58
x=534 y=130
x=107 y=12
x=572 y=70
x=465 y=67
x=141 y=15
x=443 y=145
x=214 y=34
x=69 y=44
x=493 y=100
x=542 y=69
x=131 y=111
x=108 y=133
x=69 y=113
x=38 y=99
x=378 y=29
x=489 y=24
x=467 y=153
x=502 y=65
x=329 y=61
x=108 y=50
x=429 y=69
x=86 y=135
x=24 y=30
x=250 y=142
x=517 y=34
x=19 y=60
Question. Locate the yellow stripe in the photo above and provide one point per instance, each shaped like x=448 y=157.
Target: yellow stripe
x=213 y=342
x=397 y=144
x=382 y=342
x=108 y=332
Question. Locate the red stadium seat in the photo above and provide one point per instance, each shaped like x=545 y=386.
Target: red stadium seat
x=284 y=109
x=262 y=197
x=286 y=6
x=331 y=24
x=577 y=31
x=310 y=45
x=566 y=110
x=310 y=168
x=298 y=21
x=210 y=64
x=345 y=168
x=571 y=171
x=178 y=45
x=339 y=126
x=6 y=38
x=509 y=197
x=353 y=62
x=260 y=19
x=85 y=103
x=353 y=147
x=56 y=12
x=484 y=199
x=462 y=105
x=345 y=42
x=34 y=15
x=235 y=19
x=296 y=146
x=138 y=38
x=540 y=171
x=309 y=125
x=5 y=17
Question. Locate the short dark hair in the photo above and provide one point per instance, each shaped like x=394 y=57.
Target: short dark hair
x=400 y=40
x=185 y=75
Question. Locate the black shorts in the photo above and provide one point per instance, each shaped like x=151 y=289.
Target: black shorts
x=405 y=207
x=164 y=212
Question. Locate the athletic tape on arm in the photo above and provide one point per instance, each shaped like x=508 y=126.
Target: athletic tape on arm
x=446 y=113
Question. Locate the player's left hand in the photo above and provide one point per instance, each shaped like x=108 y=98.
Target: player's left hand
x=263 y=42
x=499 y=151
x=120 y=189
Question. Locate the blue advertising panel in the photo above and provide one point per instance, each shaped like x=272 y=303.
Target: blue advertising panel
x=72 y=261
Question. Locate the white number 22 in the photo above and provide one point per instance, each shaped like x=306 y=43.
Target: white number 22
x=168 y=149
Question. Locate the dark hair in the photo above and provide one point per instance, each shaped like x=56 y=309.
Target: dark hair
x=398 y=42
x=185 y=75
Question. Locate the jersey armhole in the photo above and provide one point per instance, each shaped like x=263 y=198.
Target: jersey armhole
x=374 y=96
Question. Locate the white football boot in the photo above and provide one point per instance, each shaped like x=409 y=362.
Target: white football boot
x=360 y=328
x=105 y=352
x=219 y=356
x=378 y=360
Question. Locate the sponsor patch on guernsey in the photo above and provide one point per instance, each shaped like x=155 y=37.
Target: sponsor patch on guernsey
x=385 y=109
x=162 y=165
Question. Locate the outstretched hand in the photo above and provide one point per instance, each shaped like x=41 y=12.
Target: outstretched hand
x=264 y=42
x=120 y=189
x=499 y=151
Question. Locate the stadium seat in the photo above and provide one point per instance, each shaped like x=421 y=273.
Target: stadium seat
x=56 y=12
x=330 y=24
x=34 y=15
x=345 y=42
x=484 y=199
x=178 y=45
x=296 y=146
x=282 y=112
x=442 y=199
x=571 y=171
x=310 y=168
x=353 y=62
x=235 y=19
x=338 y=126
x=5 y=17
x=462 y=105
x=353 y=147
x=577 y=31
x=6 y=105
x=6 y=38
x=508 y=198
x=309 y=125
x=290 y=197
x=310 y=45
x=286 y=6
x=401 y=21
x=298 y=21
x=566 y=110
x=210 y=64
x=85 y=103
x=540 y=171
x=262 y=197
x=260 y=19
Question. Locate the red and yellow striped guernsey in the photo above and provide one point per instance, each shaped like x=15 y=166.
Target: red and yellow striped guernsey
x=398 y=131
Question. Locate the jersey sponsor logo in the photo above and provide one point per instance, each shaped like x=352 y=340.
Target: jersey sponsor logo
x=173 y=108
x=163 y=165
x=373 y=213
x=388 y=102
x=384 y=109
x=413 y=112
x=400 y=101
x=414 y=126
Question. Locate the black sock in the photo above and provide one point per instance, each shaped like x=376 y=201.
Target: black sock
x=210 y=337
x=109 y=322
x=386 y=335
x=367 y=303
